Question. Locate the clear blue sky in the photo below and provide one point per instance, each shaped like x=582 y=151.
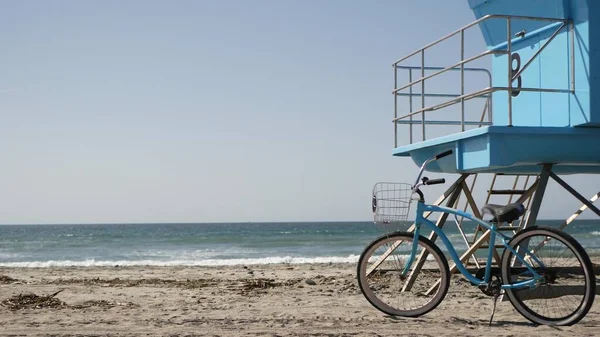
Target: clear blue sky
x=202 y=111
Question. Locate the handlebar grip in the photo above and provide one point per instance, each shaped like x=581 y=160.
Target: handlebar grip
x=443 y=154
x=435 y=181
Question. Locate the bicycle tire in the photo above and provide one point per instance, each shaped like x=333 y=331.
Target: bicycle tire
x=532 y=302
x=370 y=284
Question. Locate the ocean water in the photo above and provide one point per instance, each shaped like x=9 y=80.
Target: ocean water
x=214 y=244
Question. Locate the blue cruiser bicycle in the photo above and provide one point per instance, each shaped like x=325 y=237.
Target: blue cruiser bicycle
x=545 y=273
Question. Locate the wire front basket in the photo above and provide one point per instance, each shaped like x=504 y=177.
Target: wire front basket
x=391 y=203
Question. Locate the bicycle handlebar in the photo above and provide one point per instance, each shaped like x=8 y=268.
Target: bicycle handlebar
x=415 y=187
x=438 y=156
x=435 y=181
x=443 y=154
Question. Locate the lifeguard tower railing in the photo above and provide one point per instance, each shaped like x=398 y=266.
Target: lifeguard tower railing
x=487 y=93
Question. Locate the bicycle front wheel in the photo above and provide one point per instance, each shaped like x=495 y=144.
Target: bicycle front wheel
x=566 y=291
x=393 y=290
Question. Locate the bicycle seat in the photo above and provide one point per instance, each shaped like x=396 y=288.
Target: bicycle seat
x=507 y=213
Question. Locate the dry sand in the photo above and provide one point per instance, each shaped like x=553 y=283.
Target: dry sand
x=265 y=300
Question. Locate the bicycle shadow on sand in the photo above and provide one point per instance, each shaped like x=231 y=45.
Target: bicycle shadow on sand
x=466 y=322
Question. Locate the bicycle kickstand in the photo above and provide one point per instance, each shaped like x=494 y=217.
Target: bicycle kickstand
x=496 y=296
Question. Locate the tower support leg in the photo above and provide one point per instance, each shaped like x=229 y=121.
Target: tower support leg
x=539 y=196
x=575 y=193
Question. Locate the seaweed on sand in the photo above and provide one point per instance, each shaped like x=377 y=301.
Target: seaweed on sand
x=33 y=301
x=4 y=279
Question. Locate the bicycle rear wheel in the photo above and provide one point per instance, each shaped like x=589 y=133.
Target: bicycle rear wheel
x=382 y=282
x=566 y=292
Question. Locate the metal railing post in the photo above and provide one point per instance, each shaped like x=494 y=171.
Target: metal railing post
x=490 y=102
x=423 y=91
x=395 y=106
x=462 y=80
x=509 y=86
x=573 y=56
x=410 y=106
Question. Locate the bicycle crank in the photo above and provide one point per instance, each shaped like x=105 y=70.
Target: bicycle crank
x=493 y=287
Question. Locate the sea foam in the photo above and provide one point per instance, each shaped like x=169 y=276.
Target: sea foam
x=207 y=262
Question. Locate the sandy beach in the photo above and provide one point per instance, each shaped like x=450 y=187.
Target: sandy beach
x=260 y=300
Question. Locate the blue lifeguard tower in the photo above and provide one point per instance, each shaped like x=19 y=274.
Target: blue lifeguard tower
x=532 y=115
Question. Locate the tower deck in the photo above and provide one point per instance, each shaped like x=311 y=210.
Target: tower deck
x=537 y=105
x=516 y=149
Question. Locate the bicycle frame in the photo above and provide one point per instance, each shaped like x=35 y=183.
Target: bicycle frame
x=421 y=220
